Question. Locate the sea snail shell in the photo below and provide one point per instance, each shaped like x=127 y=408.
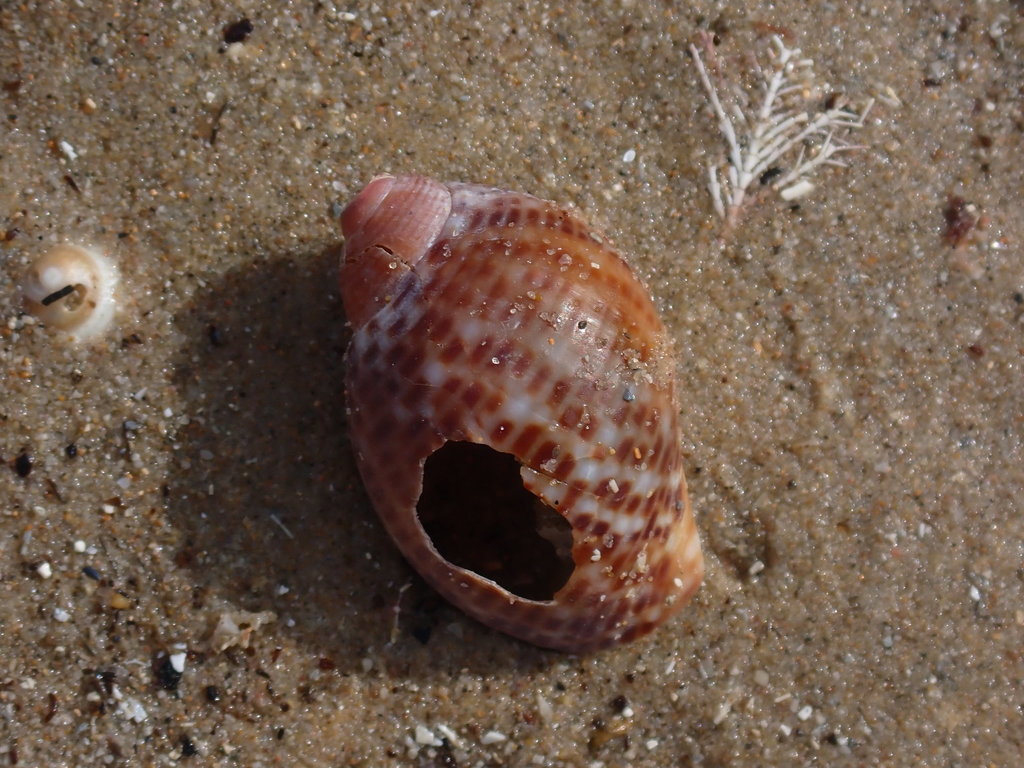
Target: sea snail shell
x=72 y=288
x=513 y=412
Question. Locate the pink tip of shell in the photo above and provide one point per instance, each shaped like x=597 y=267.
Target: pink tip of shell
x=365 y=204
x=388 y=227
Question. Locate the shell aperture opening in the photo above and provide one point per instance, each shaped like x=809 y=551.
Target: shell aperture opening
x=479 y=517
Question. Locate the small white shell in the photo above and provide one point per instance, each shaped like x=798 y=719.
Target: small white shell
x=71 y=288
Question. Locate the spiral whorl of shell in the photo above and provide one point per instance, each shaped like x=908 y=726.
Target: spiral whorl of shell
x=494 y=334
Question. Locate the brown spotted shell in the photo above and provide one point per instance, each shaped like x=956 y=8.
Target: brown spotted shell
x=513 y=412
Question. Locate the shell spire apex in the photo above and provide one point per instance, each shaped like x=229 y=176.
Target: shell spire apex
x=388 y=228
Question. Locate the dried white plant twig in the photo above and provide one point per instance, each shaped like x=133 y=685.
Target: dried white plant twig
x=760 y=131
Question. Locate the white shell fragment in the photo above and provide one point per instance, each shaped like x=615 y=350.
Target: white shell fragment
x=795 y=191
x=72 y=288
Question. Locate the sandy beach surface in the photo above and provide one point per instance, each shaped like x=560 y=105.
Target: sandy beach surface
x=190 y=571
